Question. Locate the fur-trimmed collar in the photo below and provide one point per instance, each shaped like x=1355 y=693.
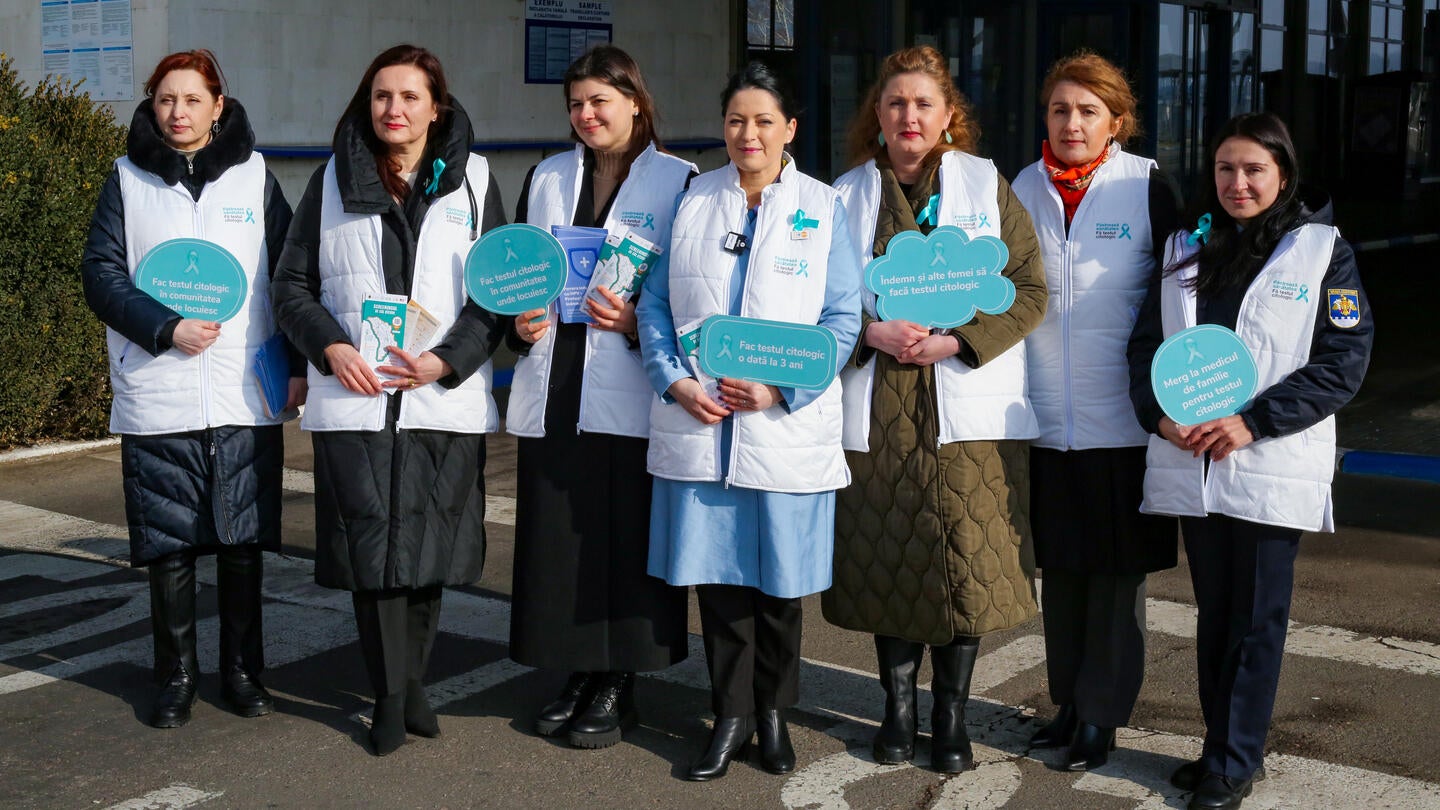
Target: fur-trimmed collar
x=232 y=146
x=359 y=179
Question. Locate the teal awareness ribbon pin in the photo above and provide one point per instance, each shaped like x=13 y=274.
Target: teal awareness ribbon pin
x=1304 y=293
x=801 y=223
x=931 y=212
x=1202 y=233
x=650 y=221
x=439 y=167
x=1125 y=231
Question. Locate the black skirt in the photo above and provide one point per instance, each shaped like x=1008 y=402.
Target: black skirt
x=1085 y=513
x=582 y=600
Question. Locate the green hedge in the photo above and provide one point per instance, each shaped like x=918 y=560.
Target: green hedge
x=56 y=149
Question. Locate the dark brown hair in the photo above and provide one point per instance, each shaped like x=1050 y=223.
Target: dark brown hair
x=862 y=144
x=358 y=110
x=1100 y=76
x=610 y=65
x=200 y=60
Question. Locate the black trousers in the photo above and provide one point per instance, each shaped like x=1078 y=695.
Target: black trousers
x=397 y=630
x=1095 y=642
x=1243 y=574
x=752 y=648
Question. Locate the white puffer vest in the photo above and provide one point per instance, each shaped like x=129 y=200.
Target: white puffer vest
x=350 y=270
x=1281 y=481
x=615 y=395
x=1097 y=276
x=785 y=281
x=175 y=392
x=985 y=403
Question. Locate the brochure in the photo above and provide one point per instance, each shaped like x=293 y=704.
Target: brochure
x=271 y=368
x=624 y=262
x=582 y=250
x=420 y=328
x=382 y=324
x=688 y=336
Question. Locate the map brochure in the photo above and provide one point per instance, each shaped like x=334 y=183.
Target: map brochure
x=688 y=336
x=382 y=324
x=624 y=262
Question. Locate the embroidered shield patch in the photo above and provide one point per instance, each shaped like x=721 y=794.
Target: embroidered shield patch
x=1344 y=307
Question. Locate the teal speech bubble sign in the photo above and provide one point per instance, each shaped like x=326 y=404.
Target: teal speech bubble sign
x=940 y=280
x=515 y=268
x=197 y=279
x=793 y=355
x=1202 y=373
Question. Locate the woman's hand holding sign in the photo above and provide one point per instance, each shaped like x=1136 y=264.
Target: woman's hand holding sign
x=743 y=395
x=194 y=336
x=1220 y=437
x=692 y=397
x=894 y=337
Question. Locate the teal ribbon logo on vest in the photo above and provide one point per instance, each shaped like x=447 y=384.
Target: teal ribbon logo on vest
x=197 y=279
x=1202 y=373
x=801 y=223
x=940 y=280
x=1113 y=230
x=638 y=219
x=514 y=269
x=238 y=214
x=792 y=355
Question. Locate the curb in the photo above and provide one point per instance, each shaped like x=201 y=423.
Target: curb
x=1390 y=465
x=55 y=449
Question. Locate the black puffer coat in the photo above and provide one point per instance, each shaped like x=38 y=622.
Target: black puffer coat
x=393 y=508
x=204 y=488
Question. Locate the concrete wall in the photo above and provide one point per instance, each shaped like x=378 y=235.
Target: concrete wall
x=294 y=64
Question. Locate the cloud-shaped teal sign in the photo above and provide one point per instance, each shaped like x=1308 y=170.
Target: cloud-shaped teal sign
x=940 y=280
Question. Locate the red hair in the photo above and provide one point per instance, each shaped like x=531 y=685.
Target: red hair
x=200 y=60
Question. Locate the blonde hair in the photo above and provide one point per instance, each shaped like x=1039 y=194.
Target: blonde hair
x=863 y=143
x=1100 y=76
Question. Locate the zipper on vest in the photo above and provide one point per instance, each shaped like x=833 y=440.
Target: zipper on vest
x=204 y=366
x=1065 y=304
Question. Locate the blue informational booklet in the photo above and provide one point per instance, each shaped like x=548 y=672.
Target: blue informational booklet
x=272 y=373
x=582 y=249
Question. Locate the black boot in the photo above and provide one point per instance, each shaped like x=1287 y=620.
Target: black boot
x=777 y=755
x=1058 y=732
x=609 y=715
x=242 y=653
x=555 y=718
x=899 y=661
x=1091 y=748
x=1216 y=792
x=172 y=623
x=950 y=750
x=387 y=725
x=422 y=622
x=1187 y=776
x=729 y=739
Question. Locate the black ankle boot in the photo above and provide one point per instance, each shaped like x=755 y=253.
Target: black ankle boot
x=729 y=739
x=950 y=750
x=609 y=715
x=555 y=718
x=1091 y=748
x=899 y=660
x=777 y=755
x=172 y=624
x=420 y=719
x=177 y=695
x=1058 y=732
x=242 y=654
x=387 y=725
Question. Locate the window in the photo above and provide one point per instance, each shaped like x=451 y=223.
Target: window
x=1386 y=35
x=770 y=24
x=1326 y=27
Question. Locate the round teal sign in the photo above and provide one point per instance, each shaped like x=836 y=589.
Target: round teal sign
x=515 y=268
x=794 y=355
x=1202 y=373
x=197 y=279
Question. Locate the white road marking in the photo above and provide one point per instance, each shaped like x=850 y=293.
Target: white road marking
x=175 y=797
x=135 y=609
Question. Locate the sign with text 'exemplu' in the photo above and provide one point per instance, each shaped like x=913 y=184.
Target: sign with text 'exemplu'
x=515 y=268
x=790 y=355
x=940 y=280
x=197 y=279
x=1202 y=373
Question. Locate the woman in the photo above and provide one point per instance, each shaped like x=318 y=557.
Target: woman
x=752 y=529
x=582 y=600
x=1102 y=216
x=1265 y=262
x=932 y=538
x=399 y=448
x=202 y=454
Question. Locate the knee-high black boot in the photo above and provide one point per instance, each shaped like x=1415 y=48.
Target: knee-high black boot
x=242 y=650
x=954 y=663
x=899 y=661
x=381 y=619
x=172 y=622
x=422 y=618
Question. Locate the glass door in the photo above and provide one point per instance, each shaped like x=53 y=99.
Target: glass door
x=1181 y=92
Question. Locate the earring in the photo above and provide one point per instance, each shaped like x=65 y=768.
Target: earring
x=635 y=114
x=881 y=138
x=215 y=127
x=948 y=139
